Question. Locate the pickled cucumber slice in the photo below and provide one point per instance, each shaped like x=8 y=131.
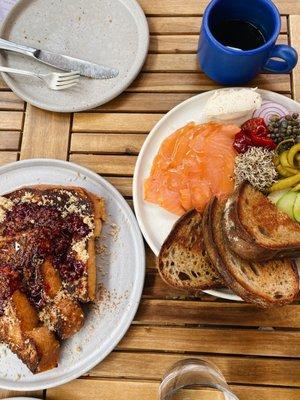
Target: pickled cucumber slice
x=274 y=197
x=287 y=202
x=296 y=210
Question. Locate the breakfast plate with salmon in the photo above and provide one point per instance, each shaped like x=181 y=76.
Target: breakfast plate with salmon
x=224 y=159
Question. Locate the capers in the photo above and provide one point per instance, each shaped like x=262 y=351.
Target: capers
x=284 y=128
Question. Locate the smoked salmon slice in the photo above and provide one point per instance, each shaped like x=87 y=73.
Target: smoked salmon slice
x=193 y=164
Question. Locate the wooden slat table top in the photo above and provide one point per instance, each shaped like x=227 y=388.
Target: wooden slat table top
x=258 y=351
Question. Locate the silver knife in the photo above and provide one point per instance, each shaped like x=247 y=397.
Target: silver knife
x=66 y=63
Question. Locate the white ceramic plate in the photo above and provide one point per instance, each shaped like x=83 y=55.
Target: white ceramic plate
x=155 y=222
x=113 y=33
x=121 y=270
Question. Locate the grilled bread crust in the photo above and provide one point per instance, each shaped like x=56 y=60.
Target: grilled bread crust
x=265 y=284
x=183 y=262
x=256 y=229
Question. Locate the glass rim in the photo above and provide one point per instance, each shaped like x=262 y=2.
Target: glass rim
x=172 y=378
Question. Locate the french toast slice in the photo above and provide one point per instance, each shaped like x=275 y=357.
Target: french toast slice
x=22 y=332
x=265 y=284
x=256 y=229
x=183 y=262
x=47 y=245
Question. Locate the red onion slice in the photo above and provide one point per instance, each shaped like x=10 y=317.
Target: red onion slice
x=268 y=109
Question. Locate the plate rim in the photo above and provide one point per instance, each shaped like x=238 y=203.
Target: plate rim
x=142 y=52
x=135 y=185
x=120 y=333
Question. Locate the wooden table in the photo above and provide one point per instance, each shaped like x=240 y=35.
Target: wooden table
x=258 y=351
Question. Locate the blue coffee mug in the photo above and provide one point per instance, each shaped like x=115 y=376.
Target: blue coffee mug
x=230 y=66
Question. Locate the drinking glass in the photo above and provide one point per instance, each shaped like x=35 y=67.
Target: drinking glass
x=192 y=374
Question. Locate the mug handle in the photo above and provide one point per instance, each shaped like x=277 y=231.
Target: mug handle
x=287 y=54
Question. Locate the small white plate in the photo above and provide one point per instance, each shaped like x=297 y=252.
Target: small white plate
x=114 y=33
x=154 y=221
x=121 y=270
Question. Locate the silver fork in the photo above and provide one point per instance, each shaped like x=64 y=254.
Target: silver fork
x=55 y=81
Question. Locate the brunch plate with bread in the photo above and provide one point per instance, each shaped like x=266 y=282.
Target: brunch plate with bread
x=67 y=291
x=217 y=195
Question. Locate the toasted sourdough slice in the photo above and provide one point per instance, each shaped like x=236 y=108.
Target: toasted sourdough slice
x=83 y=211
x=265 y=284
x=21 y=330
x=183 y=262
x=256 y=229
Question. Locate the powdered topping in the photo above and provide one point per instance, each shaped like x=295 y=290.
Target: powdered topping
x=114 y=232
x=79 y=248
x=51 y=315
x=28 y=198
x=5 y=205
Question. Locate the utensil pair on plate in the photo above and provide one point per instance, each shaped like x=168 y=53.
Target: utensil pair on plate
x=57 y=81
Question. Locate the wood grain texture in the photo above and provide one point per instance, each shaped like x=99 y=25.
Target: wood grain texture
x=171 y=63
x=207 y=340
x=9 y=140
x=165 y=25
x=198 y=82
x=207 y=313
x=197 y=7
x=295 y=41
x=104 y=164
x=46 y=134
x=10 y=393
x=123 y=184
x=107 y=143
x=140 y=123
x=8 y=157
x=174 y=61
x=183 y=44
x=10 y=101
x=11 y=120
x=91 y=389
x=257 y=371
x=2 y=84
x=144 y=102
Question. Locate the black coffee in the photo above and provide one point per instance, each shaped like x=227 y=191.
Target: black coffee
x=238 y=34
